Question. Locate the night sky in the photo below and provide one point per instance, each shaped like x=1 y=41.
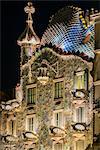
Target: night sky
x=13 y=24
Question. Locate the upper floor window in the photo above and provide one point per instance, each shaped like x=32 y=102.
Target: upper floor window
x=58 y=89
x=58 y=146
x=31 y=123
x=81 y=80
x=80 y=114
x=31 y=95
x=12 y=127
x=58 y=119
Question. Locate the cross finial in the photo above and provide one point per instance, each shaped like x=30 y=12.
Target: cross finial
x=29 y=9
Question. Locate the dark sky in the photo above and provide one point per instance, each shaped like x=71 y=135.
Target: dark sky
x=13 y=24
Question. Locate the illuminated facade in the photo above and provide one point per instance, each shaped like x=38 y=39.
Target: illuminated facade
x=96 y=72
x=53 y=109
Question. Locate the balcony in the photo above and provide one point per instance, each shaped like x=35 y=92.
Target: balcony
x=58 y=101
x=80 y=96
x=80 y=127
x=80 y=93
x=57 y=134
x=31 y=105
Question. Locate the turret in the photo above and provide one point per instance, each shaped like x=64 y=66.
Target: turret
x=28 y=41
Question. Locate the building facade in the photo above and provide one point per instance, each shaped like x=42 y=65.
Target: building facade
x=53 y=108
x=96 y=71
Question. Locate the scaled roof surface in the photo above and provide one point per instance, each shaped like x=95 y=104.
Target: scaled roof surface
x=66 y=31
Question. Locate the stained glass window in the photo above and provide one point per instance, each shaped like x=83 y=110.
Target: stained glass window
x=59 y=89
x=31 y=99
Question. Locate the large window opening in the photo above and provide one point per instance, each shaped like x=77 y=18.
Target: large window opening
x=31 y=95
x=81 y=80
x=58 y=89
x=80 y=115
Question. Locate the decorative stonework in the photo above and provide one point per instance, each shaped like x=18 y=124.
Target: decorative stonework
x=53 y=64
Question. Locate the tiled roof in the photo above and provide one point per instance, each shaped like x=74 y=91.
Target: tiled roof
x=66 y=31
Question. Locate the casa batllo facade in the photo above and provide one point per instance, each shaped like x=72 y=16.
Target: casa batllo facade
x=53 y=109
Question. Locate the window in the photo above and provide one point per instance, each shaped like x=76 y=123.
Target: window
x=80 y=115
x=31 y=123
x=80 y=145
x=81 y=80
x=58 y=119
x=58 y=146
x=12 y=127
x=31 y=95
x=59 y=89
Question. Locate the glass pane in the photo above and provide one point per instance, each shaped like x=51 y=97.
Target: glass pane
x=86 y=80
x=31 y=124
x=31 y=95
x=79 y=81
x=58 y=119
x=11 y=127
x=58 y=89
x=80 y=114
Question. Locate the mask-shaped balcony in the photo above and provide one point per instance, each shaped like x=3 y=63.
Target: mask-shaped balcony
x=57 y=133
x=80 y=96
x=80 y=127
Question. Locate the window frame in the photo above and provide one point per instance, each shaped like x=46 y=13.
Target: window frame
x=80 y=118
x=85 y=76
x=32 y=86
x=9 y=126
x=34 y=122
x=54 y=121
x=63 y=88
